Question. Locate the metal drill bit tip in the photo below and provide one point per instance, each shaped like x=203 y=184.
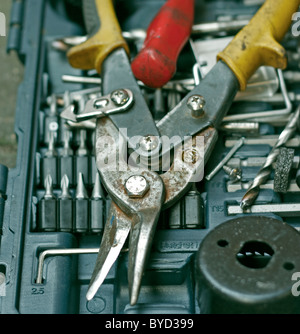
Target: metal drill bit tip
x=265 y=171
x=249 y=199
x=81 y=192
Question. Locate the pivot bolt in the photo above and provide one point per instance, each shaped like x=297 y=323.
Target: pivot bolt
x=119 y=97
x=136 y=186
x=190 y=156
x=148 y=143
x=196 y=103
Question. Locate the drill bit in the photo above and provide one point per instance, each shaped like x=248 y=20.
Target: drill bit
x=264 y=173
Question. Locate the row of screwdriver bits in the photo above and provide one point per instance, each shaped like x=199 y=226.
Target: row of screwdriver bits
x=71 y=210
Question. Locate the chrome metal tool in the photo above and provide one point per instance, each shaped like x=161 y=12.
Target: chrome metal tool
x=264 y=173
x=138 y=191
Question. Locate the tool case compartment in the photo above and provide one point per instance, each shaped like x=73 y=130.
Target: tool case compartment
x=48 y=271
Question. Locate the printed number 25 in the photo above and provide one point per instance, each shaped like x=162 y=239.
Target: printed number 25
x=37 y=291
x=295 y=291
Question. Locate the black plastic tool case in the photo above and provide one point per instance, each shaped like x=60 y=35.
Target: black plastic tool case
x=169 y=282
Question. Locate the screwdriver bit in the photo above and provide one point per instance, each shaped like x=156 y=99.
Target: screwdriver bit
x=62 y=121
x=264 y=173
x=66 y=159
x=65 y=207
x=79 y=102
x=48 y=208
x=93 y=166
x=193 y=209
x=188 y=212
x=97 y=207
x=93 y=169
x=50 y=162
x=51 y=120
x=81 y=218
x=175 y=216
x=82 y=163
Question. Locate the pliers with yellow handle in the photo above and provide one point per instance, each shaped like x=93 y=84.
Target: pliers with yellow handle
x=139 y=194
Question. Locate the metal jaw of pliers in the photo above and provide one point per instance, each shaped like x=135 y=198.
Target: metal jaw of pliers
x=138 y=195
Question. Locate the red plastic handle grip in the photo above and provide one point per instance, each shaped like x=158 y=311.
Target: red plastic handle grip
x=166 y=36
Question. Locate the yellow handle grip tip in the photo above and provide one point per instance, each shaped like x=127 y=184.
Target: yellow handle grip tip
x=256 y=44
x=91 y=53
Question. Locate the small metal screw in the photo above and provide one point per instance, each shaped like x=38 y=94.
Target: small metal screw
x=196 y=103
x=190 y=156
x=224 y=161
x=148 y=143
x=235 y=174
x=136 y=186
x=119 y=97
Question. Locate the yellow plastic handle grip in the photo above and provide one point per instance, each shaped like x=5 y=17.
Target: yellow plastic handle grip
x=257 y=43
x=108 y=37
